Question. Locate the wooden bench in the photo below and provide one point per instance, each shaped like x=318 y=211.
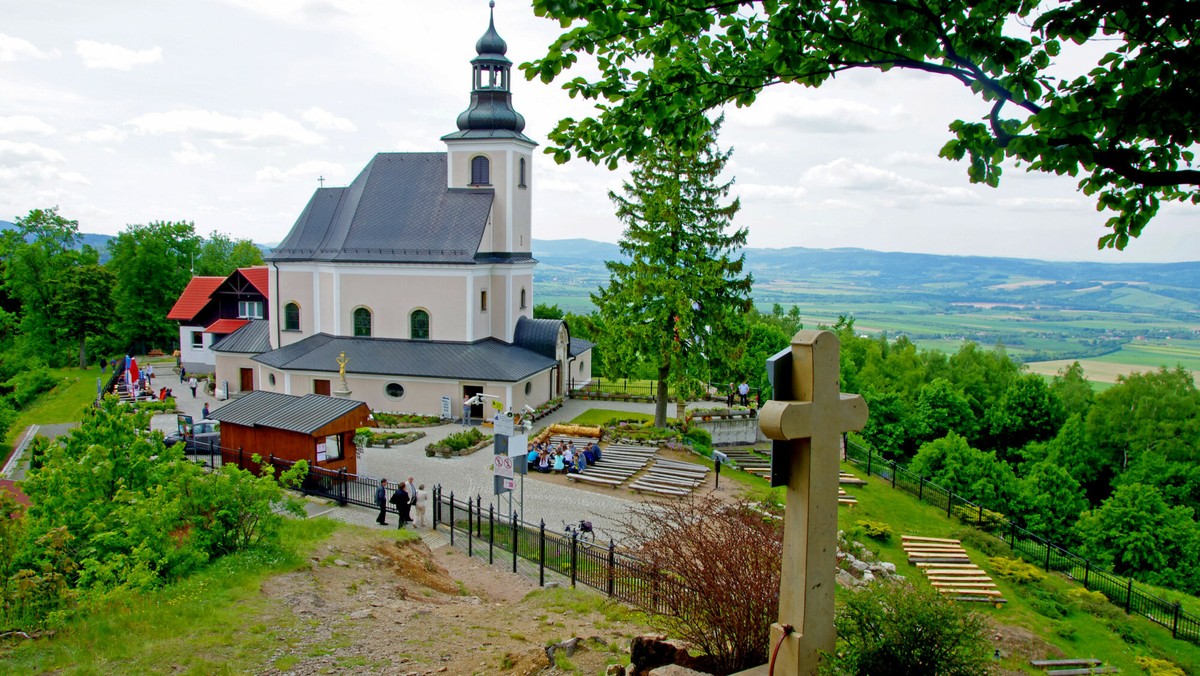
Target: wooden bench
x=601 y=481
x=638 y=487
x=667 y=481
x=918 y=538
x=1074 y=662
x=1084 y=671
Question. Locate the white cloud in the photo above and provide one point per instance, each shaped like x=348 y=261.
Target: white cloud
x=311 y=170
x=1043 y=204
x=827 y=116
x=327 y=121
x=774 y=193
x=558 y=185
x=913 y=159
x=15 y=49
x=24 y=124
x=190 y=154
x=850 y=175
x=104 y=134
x=257 y=131
x=27 y=163
x=115 y=57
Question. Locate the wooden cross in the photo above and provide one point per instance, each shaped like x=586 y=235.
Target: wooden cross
x=806 y=420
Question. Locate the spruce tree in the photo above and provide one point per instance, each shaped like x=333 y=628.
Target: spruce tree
x=677 y=303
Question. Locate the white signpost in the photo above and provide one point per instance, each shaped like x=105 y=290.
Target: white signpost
x=447 y=414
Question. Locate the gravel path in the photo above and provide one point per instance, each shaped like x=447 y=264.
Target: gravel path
x=550 y=498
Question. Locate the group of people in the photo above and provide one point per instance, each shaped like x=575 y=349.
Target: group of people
x=563 y=458
x=408 y=499
x=741 y=391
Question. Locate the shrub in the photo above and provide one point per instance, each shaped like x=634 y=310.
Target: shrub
x=901 y=630
x=700 y=441
x=460 y=441
x=1092 y=603
x=1156 y=667
x=1016 y=570
x=28 y=384
x=876 y=530
x=732 y=598
x=404 y=419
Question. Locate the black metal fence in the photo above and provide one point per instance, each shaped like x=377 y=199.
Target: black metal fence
x=602 y=567
x=1121 y=591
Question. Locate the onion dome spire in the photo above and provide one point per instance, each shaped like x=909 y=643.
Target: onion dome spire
x=491 y=113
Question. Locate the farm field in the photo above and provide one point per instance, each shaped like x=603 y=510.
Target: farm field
x=1131 y=358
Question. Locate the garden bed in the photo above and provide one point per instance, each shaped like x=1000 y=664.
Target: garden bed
x=459 y=444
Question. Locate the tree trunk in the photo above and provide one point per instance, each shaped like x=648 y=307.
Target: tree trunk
x=660 y=401
x=83 y=352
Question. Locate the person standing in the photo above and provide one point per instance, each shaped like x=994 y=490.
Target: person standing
x=410 y=487
x=193 y=383
x=381 y=500
x=103 y=363
x=729 y=395
x=182 y=374
x=400 y=500
x=744 y=393
x=419 y=500
x=150 y=373
x=466 y=411
x=205 y=413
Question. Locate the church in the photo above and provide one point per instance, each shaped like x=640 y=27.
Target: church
x=418 y=276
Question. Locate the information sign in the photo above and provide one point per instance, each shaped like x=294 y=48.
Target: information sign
x=446 y=412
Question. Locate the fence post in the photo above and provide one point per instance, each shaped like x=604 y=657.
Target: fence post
x=491 y=534
x=1175 y=621
x=921 y=490
x=1087 y=572
x=574 y=555
x=470 y=531
x=437 y=505
x=870 y=453
x=451 y=517
x=479 y=514
x=514 y=541
x=949 y=504
x=1047 y=555
x=612 y=555
x=542 y=554
x=979 y=522
x=1129 y=596
x=894 y=472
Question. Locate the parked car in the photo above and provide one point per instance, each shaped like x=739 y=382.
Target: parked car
x=199 y=438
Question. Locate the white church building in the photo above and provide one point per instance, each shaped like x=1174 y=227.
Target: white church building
x=420 y=272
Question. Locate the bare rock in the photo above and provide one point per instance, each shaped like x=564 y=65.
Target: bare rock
x=614 y=670
x=676 y=670
x=568 y=646
x=649 y=652
x=340 y=563
x=361 y=614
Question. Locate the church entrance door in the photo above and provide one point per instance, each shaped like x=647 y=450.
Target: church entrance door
x=470 y=391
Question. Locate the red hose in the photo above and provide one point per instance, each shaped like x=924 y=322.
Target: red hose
x=787 y=629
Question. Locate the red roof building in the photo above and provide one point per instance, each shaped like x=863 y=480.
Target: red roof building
x=212 y=308
x=195 y=298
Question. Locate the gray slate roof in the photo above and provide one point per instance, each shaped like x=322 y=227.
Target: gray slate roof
x=579 y=346
x=398 y=210
x=251 y=338
x=488 y=359
x=306 y=414
x=538 y=335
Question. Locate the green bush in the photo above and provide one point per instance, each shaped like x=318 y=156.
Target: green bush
x=1156 y=667
x=460 y=441
x=398 y=419
x=901 y=630
x=1015 y=570
x=700 y=441
x=1093 y=603
x=876 y=530
x=28 y=384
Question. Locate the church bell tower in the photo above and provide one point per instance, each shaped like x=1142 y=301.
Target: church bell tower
x=489 y=151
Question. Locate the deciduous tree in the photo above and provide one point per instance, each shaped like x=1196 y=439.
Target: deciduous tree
x=152 y=264
x=676 y=303
x=1127 y=122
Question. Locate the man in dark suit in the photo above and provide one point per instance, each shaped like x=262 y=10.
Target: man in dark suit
x=381 y=500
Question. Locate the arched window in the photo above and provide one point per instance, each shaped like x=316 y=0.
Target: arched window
x=480 y=171
x=523 y=303
x=362 y=322
x=418 y=323
x=291 y=317
x=521 y=173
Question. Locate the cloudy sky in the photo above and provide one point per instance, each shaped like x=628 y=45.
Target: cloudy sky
x=225 y=113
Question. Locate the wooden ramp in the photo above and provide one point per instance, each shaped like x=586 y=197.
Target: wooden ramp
x=950 y=571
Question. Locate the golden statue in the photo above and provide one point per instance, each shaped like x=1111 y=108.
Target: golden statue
x=342 y=361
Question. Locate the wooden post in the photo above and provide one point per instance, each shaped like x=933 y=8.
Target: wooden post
x=807 y=423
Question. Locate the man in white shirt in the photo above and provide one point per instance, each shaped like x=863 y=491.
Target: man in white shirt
x=744 y=393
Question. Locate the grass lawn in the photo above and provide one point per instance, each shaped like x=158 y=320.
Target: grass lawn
x=65 y=403
x=214 y=622
x=599 y=416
